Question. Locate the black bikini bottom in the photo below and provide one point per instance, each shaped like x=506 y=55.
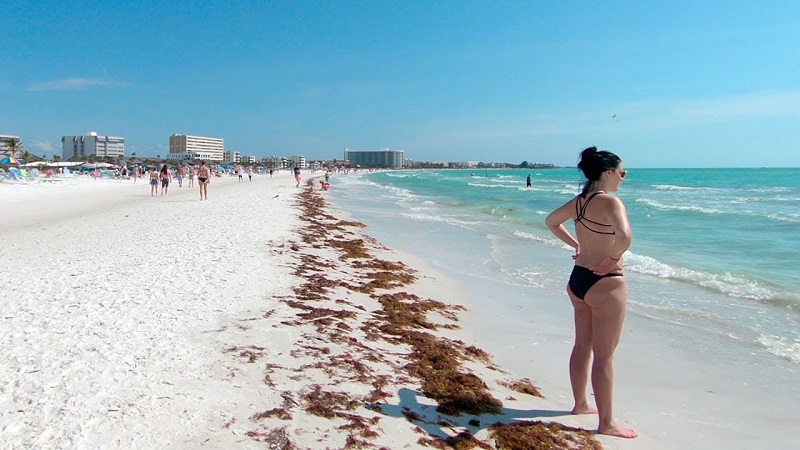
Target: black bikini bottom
x=582 y=279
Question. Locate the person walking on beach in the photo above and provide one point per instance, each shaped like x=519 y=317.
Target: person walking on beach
x=297 y=176
x=250 y=173
x=179 y=175
x=528 y=181
x=154 y=181
x=596 y=286
x=203 y=179
x=191 y=176
x=166 y=176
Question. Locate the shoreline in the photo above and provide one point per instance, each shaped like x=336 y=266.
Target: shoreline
x=125 y=345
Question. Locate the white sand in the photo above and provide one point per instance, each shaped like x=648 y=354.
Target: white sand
x=117 y=307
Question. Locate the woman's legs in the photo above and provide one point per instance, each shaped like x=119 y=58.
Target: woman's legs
x=607 y=300
x=581 y=355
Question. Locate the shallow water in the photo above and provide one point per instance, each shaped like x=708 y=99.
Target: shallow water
x=714 y=249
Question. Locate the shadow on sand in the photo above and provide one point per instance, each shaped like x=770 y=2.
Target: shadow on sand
x=434 y=423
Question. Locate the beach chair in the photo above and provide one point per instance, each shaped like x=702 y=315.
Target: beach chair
x=13 y=174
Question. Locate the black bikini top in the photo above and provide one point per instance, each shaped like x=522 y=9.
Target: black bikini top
x=581 y=219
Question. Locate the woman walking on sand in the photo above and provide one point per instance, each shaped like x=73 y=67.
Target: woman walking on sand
x=203 y=179
x=191 y=176
x=596 y=286
x=166 y=176
x=154 y=181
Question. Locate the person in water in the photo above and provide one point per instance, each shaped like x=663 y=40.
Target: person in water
x=596 y=286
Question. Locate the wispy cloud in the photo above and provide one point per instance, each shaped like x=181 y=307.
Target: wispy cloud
x=73 y=84
x=42 y=146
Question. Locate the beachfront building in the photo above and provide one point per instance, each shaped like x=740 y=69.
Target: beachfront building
x=297 y=161
x=384 y=158
x=211 y=149
x=249 y=159
x=275 y=162
x=188 y=156
x=6 y=142
x=91 y=144
x=231 y=157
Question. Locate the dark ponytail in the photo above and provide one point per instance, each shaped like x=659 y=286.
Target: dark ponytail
x=593 y=163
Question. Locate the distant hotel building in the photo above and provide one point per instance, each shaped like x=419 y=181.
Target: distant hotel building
x=385 y=158
x=275 y=162
x=231 y=157
x=92 y=144
x=183 y=146
x=298 y=161
x=5 y=141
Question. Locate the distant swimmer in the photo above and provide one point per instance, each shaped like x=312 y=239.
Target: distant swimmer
x=528 y=181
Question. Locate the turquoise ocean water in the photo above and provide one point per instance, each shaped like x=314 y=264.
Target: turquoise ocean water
x=714 y=251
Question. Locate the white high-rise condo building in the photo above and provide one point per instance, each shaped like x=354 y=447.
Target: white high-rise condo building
x=184 y=146
x=92 y=144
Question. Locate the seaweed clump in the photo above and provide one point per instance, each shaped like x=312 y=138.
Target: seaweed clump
x=541 y=435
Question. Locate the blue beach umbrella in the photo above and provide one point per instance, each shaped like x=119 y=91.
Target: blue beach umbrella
x=9 y=160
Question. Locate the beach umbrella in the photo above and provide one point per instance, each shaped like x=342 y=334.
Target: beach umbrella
x=9 y=160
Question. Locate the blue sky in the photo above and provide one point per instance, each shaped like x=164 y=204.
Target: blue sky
x=693 y=84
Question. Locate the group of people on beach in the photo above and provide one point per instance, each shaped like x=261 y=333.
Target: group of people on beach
x=163 y=177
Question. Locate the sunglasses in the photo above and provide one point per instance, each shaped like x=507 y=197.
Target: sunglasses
x=622 y=174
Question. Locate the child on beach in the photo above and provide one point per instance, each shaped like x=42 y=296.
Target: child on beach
x=596 y=286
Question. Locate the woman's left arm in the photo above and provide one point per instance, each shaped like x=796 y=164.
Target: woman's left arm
x=555 y=222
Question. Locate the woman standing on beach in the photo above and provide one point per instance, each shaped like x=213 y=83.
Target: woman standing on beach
x=203 y=178
x=191 y=176
x=596 y=286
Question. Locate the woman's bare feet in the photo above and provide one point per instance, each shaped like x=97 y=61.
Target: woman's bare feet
x=619 y=431
x=584 y=409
